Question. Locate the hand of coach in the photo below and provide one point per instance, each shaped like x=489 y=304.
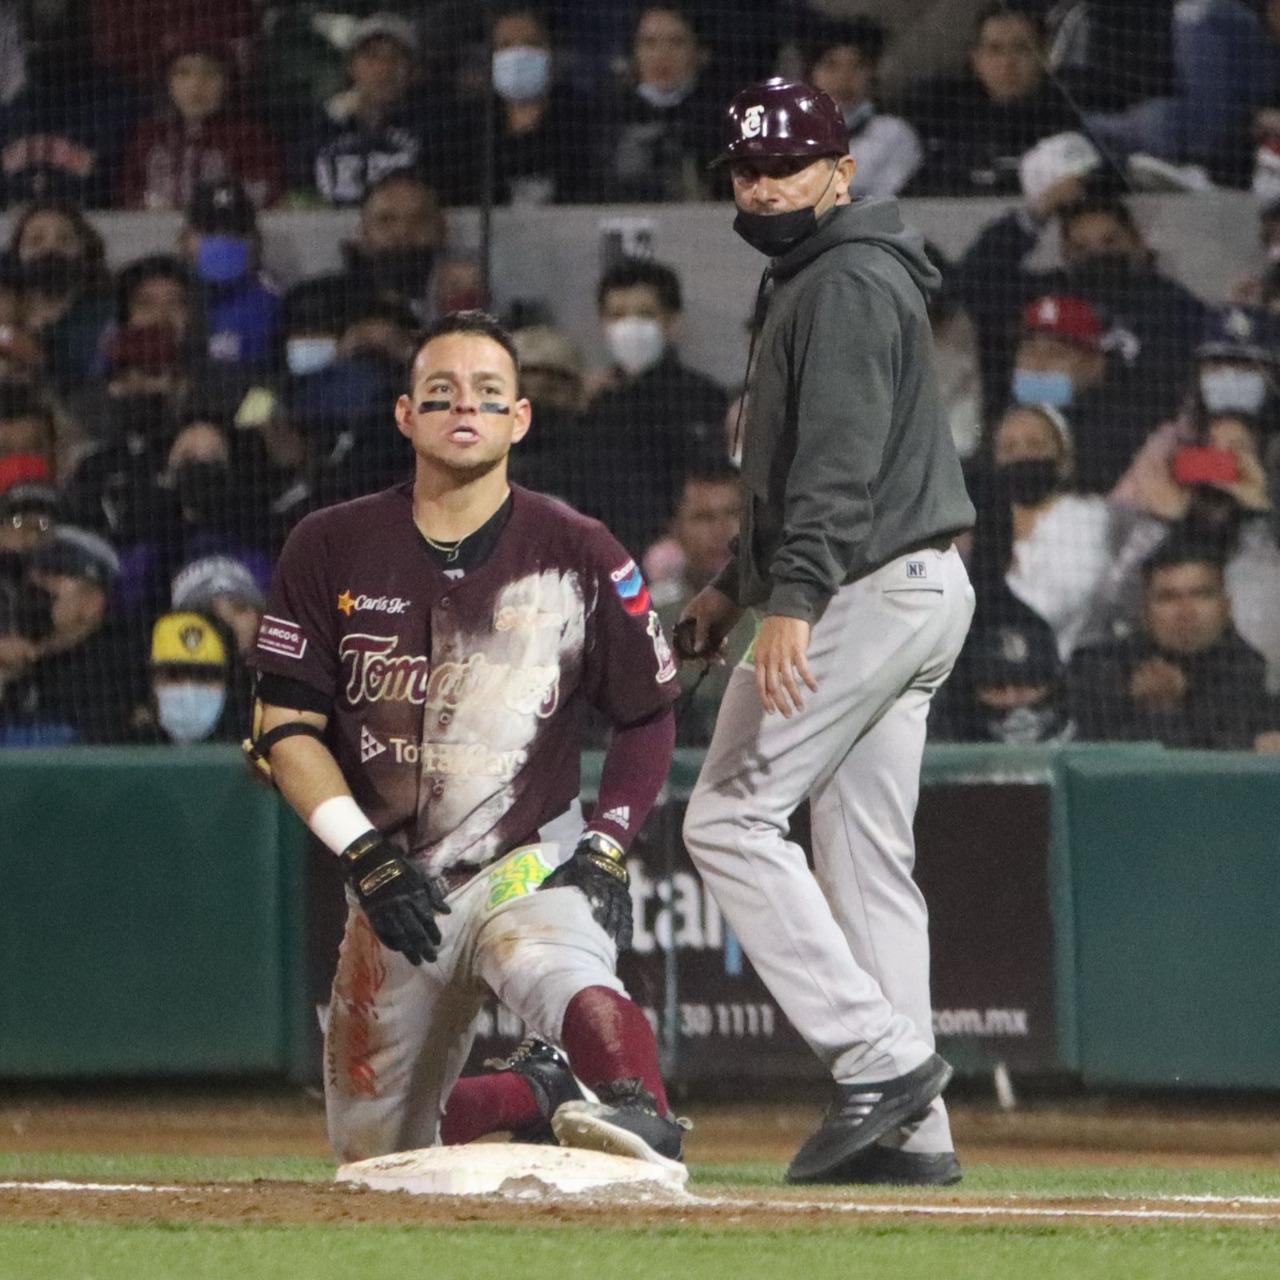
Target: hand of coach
x=780 y=649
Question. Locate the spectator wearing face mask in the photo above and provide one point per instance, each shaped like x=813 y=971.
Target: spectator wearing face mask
x=842 y=59
x=539 y=158
x=215 y=508
x=160 y=289
x=552 y=459
x=1008 y=686
x=1061 y=545
x=1185 y=678
x=193 y=698
x=660 y=132
x=58 y=261
x=402 y=251
x=1152 y=323
x=223 y=246
x=654 y=411
x=110 y=489
x=1060 y=361
x=75 y=679
x=196 y=137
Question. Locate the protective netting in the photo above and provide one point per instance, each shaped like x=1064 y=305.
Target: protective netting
x=226 y=222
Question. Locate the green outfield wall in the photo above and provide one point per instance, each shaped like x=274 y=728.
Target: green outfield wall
x=1108 y=912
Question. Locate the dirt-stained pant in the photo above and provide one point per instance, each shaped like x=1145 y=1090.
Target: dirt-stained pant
x=844 y=949
x=398 y=1035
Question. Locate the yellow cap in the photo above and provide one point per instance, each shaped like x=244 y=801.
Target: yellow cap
x=186 y=639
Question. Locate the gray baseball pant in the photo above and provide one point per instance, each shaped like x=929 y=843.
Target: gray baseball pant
x=843 y=949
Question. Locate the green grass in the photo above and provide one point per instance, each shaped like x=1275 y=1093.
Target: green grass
x=55 y=1251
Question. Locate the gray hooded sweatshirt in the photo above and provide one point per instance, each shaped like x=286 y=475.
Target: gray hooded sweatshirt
x=847 y=457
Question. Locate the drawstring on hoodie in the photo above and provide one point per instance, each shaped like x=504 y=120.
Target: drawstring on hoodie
x=751 y=354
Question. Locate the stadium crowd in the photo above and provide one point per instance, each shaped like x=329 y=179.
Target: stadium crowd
x=163 y=427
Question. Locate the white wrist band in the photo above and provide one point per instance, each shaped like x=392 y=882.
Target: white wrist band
x=337 y=822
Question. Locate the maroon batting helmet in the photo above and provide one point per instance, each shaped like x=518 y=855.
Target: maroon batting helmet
x=782 y=118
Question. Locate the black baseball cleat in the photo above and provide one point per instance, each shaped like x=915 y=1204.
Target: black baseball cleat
x=861 y=1114
x=625 y=1122
x=550 y=1079
x=887 y=1167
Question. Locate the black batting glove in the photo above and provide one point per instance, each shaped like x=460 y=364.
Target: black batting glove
x=400 y=902
x=596 y=869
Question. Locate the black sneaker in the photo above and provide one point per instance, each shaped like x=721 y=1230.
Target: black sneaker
x=625 y=1122
x=548 y=1074
x=887 y=1167
x=860 y=1114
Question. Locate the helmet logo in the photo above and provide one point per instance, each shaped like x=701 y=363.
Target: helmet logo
x=753 y=122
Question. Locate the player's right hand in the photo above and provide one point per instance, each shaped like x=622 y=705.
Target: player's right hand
x=704 y=624
x=401 y=904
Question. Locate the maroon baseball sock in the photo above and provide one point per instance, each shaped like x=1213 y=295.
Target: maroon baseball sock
x=607 y=1038
x=488 y=1104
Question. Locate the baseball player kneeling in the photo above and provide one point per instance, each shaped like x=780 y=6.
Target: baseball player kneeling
x=425 y=664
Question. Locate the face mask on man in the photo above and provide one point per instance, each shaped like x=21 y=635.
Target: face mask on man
x=1044 y=722
x=1043 y=386
x=148 y=414
x=405 y=270
x=1233 y=390
x=664 y=99
x=522 y=73
x=51 y=272
x=774 y=234
x=636 y=343
x=222 y=259
x=308 y=355
x=189 y=712
x=203 y=489
x=1029 y=481
x=1103 y=270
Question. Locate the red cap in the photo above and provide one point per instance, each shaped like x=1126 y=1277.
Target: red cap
x=1070 y=319
x=153 y=348
x=782 y=118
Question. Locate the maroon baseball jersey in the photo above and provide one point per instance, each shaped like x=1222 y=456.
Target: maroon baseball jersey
x=457 y=705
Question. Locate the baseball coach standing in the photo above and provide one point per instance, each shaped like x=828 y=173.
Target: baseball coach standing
x=854 y=495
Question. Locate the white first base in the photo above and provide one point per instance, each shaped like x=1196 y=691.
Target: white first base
x=508 y=1168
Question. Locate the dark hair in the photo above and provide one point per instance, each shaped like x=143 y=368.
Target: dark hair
x=18 y=400
x=688 y=13
x=858 y=32
x=403 y=173
x=539 y=12
x=1181 y=548
x=1109 y=206
x=155 y=266
x=91 y=242
x=1001 y=9
x=480 y=323
x=707 y=467
x=632 y=272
